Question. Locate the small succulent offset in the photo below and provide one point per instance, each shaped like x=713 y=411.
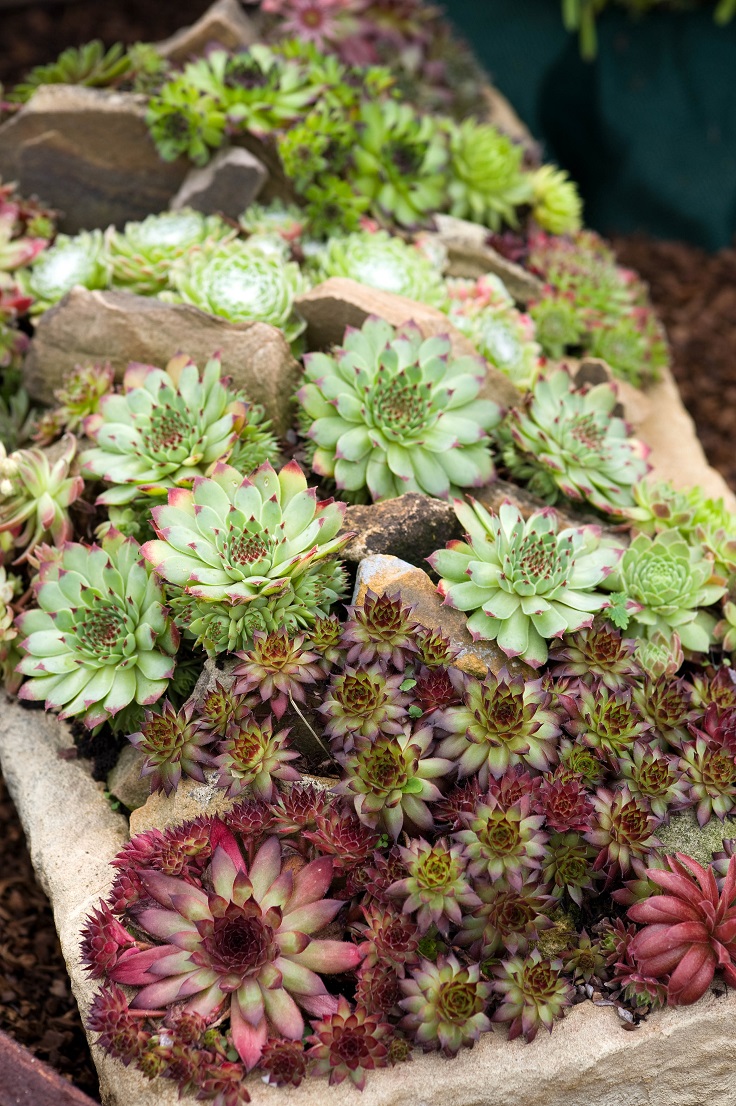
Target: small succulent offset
x=524 y=581
x=445 y=1005
x=669 y=583
x=142 y=253
x=570 y=442
x=174 y=746
x=263 y=542
x=383 y=261
x=69 y=262
x=35 y=496
x=100 y=637
x=80 y=395
x=556 y=203
x=391 y=412
x=348 y=1043
x=240 y=282
x=166 y=428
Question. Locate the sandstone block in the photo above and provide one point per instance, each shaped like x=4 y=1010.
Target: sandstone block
x=119 y=327
x=227 y=186
x=223 y=24
x=469 y=255
x=190 y=800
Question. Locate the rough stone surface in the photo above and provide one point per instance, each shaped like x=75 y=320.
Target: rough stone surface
x=224 y=24
x=469 y=256
x=339 y=302
x=493 y=495
x=87 y=152
x=227 y=186
x=682 y=834
x=384 y=574
x=190 y=800
x=119 y=327
x=411 y=527
x=124 y=781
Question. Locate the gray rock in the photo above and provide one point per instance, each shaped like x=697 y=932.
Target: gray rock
x=470 y=256
x=683 y=834
x=119 y=327
x=410 y=527
x=223 y=24
x=88 y=153
x=339 y=302
x=124 y=780
x=227 y=186
x=386 y=575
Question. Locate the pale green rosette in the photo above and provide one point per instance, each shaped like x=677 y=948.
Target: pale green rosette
x=242 y=284
x=142 y=253
x=100 y=637
x=487 y=183
x=523 y=581
x=69 y=262
x=392 y=412
x=670 y=582
x=382 y=261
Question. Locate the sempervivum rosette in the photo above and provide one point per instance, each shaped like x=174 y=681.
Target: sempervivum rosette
x=382 y=261
x=392 y=413
x=485 y=311
x=239 y=543
x=487 y=182
x=100 y=638
x=69 y=262
x=167 y=427
x=141 y=254
x=523 y=580
x=241 y=283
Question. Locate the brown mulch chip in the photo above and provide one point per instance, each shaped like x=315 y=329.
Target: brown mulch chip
x=37 y=1008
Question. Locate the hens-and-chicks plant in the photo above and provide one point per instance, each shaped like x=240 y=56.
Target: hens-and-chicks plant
x=421 y=847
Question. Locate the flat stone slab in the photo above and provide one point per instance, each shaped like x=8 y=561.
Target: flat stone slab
x=412 y=527
x=119 y=327
x=88 y=153
x=223 y=24
x=227 y=186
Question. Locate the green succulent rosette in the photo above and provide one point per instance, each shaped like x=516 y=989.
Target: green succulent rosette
x=671 y=583
x=400 y=161
x=68 y=263
x=286 y=220
x=100 y=637
x=35 y=496
x=556 y=203
x=524 y=581
x=487 y=183
x=485 y=312
x=242 y=284
x=383 y=261
x=569 y=441
x=391 y=412
x=142 y=253
x=256 y=549
x=166 y=428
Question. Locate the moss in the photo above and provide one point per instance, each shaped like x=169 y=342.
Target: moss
x=684 y=835
x=560 y=937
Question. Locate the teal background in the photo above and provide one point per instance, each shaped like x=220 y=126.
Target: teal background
x=648 y=129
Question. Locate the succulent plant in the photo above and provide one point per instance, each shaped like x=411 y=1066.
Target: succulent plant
x=276 y=217
x=533 y=993
x=184 y=120
x=568 y=866
x=507 y=561
x=16 y=250
x=486 y=180
x=570 y=442
x=379 y=629
x=240 y=282
x=586 y=961
x=69 y=262
x=235 y=540
x=556 y=203
x=653 y=776
x=393 y=413
x=252 y=756
x=659 y=656
x=669 y=582
x=711 y=774
x=503 y=721
x=445 y=1005
x=623 y=830
x=338 y=833
x=82 y=392
x=241 y=957
x=100 y=637
x=608 y=721
x=283 y=1063
x=689 y=930
x=9 y=655
x=142 y=253
x=34 y=508
x=564 y=801
x=382 y=261
x=277 y=666
x=436 y=888
x=502 y=841
x=347 y=1044
x=363 y=702
x=174 y=746
x=390 y=937
x=399 y=161
x=90 y=65
x=510 y=917
x=597 y=654
x=668 y=705
x=391 y=778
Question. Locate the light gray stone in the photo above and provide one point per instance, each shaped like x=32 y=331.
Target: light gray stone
x=124 y=780
x=411 y=526
x=469 y=255
x=88 y=153
x=227 y=186
x=119 y=327
x=223 y=24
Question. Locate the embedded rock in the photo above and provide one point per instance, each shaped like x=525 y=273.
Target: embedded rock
x=190 y=800
x=223 y=24
x=119 y=327
x=493 y=495
x=88 y=153
x=411 y=527
x=227 y=186
x=124 y=780
x=469 y=255
x=683 y=834
x=340 y=302
x=387 y=575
